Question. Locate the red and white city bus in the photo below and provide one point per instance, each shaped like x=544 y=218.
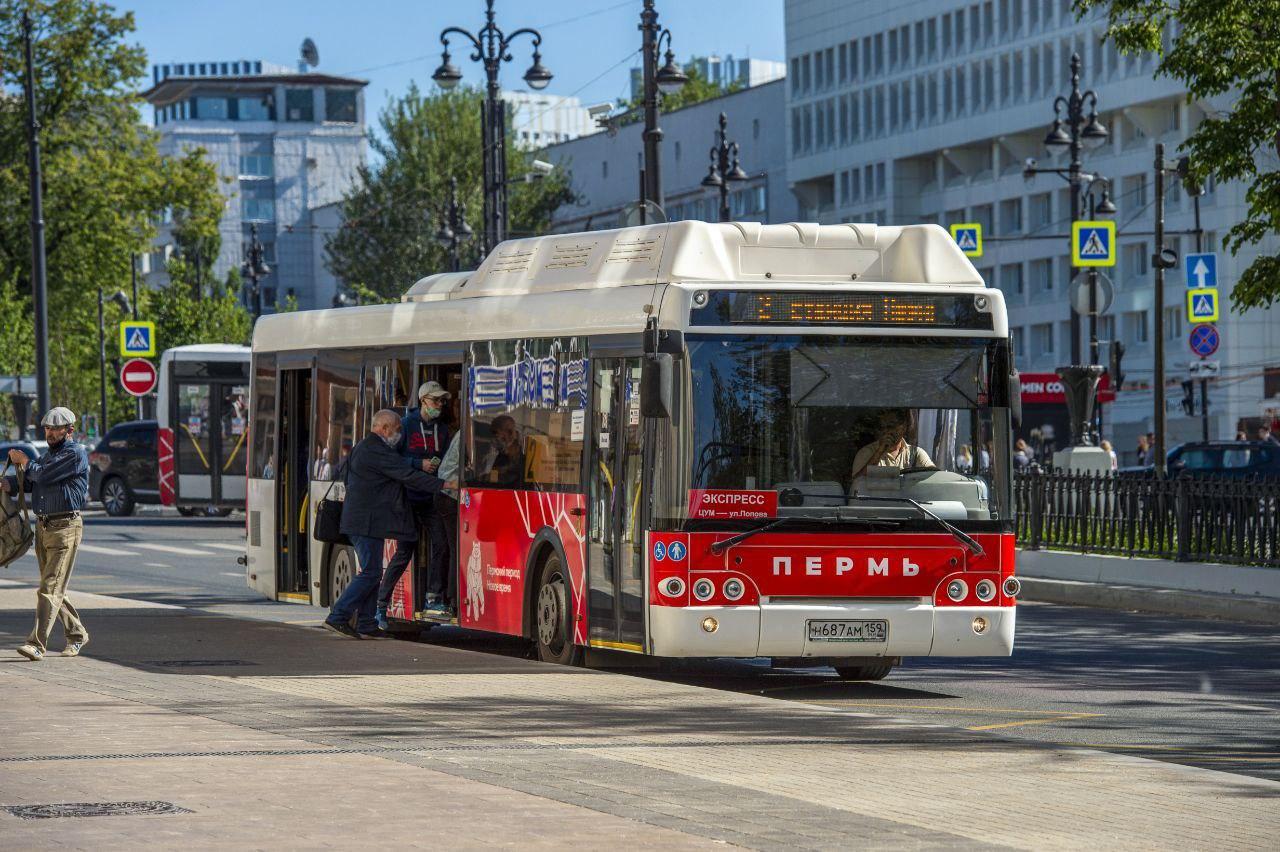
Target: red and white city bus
x=202 y=409
x=660 y=426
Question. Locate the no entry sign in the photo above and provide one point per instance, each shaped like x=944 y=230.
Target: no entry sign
x=138 y=377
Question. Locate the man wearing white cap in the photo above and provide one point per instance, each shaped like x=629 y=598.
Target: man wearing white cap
x=59 y=486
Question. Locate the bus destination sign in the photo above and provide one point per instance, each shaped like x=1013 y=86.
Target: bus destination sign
x=882 y=310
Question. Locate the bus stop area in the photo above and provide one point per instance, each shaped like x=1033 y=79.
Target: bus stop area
x=186 y=725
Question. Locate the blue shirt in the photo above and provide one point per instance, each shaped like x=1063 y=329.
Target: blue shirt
x=59 y=482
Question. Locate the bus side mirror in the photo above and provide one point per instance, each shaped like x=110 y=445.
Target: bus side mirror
x=1015 y=397
x=656 y=385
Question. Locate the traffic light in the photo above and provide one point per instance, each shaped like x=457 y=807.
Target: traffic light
x=1117 y=374
x=1189 y=397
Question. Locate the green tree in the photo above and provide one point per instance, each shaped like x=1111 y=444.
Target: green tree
x=1221 y=47
x=105 y=184
x=391 y=215
x=697 y=90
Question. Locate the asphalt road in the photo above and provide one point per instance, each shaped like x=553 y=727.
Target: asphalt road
x=1197 y=692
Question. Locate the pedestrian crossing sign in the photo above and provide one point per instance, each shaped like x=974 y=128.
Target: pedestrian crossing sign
x=137 y=339
x=1202 y=304
x=1093 y=243
x=968 y=235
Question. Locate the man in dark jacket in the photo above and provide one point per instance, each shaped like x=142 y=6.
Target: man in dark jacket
x=424 y=437
x=59 y=486
x=375 y=508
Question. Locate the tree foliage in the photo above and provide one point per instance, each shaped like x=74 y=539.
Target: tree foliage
x=105 y=184
x=391 y=215
x=1221 y=47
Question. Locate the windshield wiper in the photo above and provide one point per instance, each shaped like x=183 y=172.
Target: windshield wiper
x=959 y=534
x=723 y=545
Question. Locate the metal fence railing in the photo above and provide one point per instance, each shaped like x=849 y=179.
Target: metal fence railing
x=1185 y=519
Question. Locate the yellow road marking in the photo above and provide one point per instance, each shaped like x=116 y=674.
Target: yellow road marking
x=1071 y=717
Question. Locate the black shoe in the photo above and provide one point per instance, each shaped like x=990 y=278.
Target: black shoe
x=342 y=630
x=376 y=633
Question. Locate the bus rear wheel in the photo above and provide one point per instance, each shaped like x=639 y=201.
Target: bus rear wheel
x=342 y=570
x=864 y=671
x=552 y=616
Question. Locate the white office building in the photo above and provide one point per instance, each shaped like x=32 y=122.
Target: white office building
x=928 y=112
x=539 y=119
x=285 y=143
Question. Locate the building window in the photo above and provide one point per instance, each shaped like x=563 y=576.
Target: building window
x=604 y=169
x=1011 y=216
x=1135 y=261
x=257 y=166
x=1018 y=349
x=340 y=105
x=253 y=109
x=1011 y=279
x=795 y=75
x=1135 y=327
x=211 y=109
x=299 y=105
x=1042 y=275
x=1106 y=328
x=1041 y=339
x=257 y=201
x=755 y=129
x=1173 y=323
x=880 y=180
x=982 y=214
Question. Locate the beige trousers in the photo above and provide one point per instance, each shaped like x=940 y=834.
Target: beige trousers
x=56 y=545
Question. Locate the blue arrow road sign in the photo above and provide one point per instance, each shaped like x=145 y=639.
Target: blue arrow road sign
x=1202 y=270
x=1204 y=340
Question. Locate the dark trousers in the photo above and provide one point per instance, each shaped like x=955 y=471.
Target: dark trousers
x=434 y=548
x=446 y=513
x=361 y=596
x=395 y=568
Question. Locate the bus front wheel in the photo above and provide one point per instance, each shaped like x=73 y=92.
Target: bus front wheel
x=342 y=570
x=864 y=671
x=554 y=635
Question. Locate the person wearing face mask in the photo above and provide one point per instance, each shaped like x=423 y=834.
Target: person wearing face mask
x=59 y=486
x=376 y=508
x=424 y=438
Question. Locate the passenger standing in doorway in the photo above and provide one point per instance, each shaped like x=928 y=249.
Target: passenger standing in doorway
x=423 y=441
x=447 y=510
x=376 y=508
x=59 y=486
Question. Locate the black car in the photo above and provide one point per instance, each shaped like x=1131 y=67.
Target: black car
x=124 y=468
x=1229 y=459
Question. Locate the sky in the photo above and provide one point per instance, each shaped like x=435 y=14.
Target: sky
x=589 y=45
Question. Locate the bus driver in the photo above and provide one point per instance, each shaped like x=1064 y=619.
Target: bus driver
x=890 y=449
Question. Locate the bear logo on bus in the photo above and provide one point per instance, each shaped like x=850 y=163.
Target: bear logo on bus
x=475 y=584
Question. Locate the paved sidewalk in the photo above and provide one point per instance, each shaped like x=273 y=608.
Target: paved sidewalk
x=271 y=734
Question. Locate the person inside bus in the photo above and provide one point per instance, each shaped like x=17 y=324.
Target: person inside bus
x=890 y=448
x=424 y=437
x=504 y=463
x=376 y=508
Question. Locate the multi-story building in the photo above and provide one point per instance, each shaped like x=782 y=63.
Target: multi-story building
x=606 y=166
x=284 y=143
x=724 y=71
x=928 y=112
x=539 y=119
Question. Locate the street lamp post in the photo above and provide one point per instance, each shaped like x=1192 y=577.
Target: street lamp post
x=1072 y=139
x=454 y=229
x=1105 y=207
x=669 y=79
x=724 y=167
x=123 y=301
x=254 y=270
x=491 y=46
x=39 y=278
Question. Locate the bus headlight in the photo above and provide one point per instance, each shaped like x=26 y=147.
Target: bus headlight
x=703 y=589
x=710 y=625
x=985 y=590
x=700 y=299
x=734 y=589
x=979 y=625
x=957 y=589
x=1012 y=585
x=672 y=587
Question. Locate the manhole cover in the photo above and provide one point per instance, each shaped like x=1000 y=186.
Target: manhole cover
x=178 y=664
x=91 y=809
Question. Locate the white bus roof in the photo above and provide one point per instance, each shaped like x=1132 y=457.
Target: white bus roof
x=206 y=352
x=702 y=251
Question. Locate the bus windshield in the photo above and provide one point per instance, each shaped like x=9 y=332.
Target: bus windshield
x=830 y=423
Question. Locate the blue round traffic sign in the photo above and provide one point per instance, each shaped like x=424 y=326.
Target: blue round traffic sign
x=659 y=551
x=1204 y=339
x=676 y=551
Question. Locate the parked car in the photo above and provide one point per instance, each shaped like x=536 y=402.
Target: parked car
x=1230 y=459
x=123 y=468
x=33 y=449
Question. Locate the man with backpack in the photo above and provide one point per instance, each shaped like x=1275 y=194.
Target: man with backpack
x=59 y=486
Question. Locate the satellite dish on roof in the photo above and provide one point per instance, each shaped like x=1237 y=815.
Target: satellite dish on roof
x=310 y=55
x=630 y=215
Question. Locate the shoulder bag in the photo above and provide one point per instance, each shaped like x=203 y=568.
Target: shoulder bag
x=16 y=534
x=328 y=525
